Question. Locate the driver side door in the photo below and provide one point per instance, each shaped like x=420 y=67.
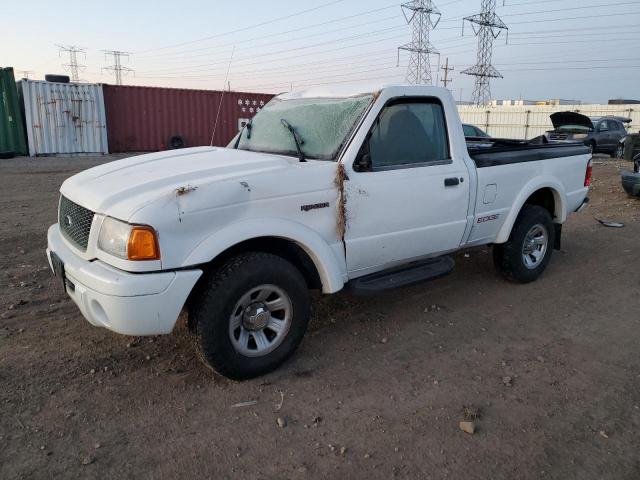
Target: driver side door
x=411 y=200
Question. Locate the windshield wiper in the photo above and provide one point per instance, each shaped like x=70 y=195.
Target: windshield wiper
x=296 y=138
x=248 y=127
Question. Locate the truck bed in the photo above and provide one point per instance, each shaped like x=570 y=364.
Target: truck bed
x=499 y=151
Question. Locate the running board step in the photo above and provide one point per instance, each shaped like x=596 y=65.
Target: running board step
x=402 y=276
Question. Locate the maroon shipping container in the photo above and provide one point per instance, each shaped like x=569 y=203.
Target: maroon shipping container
x=143 y=119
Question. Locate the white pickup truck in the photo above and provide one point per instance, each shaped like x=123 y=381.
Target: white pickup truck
x=321 y=190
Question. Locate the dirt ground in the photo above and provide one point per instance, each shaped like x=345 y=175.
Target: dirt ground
x=377 y=389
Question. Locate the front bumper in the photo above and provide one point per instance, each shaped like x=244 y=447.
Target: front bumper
x=127 y=303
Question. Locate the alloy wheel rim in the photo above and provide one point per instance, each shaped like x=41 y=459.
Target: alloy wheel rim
x=260 y=320
x=535 y=246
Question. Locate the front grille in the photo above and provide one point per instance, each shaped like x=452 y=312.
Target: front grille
x=75 y=222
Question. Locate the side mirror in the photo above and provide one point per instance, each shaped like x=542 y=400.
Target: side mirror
x=362 y=163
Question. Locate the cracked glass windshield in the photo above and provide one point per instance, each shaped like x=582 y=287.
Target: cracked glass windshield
x=321 y=125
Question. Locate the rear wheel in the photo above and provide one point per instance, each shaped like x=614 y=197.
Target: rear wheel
x=527 y=252
x=251 y=315
x=620 y=151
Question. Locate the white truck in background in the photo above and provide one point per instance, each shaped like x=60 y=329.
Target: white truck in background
x=369 y=189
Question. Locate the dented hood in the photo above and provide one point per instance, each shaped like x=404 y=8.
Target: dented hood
x=122 y=187
x=560 y=119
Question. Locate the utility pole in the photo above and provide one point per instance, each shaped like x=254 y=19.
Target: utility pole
x=446 y=69
x=72 y=67
x=117 y=67
x=26 y=73
x=423 y=16
x=487 y=26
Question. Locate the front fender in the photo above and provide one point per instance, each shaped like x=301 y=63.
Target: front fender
x=330 y=266
x=535 y=184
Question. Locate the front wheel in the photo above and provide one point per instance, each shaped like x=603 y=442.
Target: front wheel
x=527 y=252
x=620 y=151
x=251 y=316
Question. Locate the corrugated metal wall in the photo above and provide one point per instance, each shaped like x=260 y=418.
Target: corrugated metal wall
x=528 y=121
x=65 y=118
x=12 y=137
x=142 y=119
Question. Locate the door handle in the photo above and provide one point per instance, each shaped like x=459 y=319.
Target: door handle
x=451 y=182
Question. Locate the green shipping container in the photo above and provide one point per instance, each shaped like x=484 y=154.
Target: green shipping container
x=12 y=131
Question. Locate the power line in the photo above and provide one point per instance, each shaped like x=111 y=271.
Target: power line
x=575 y=18
x=304 y=28
x=487 y=26
x=117 y=67
x=72 y=67
x=250 y=27
x=269 y=44
x=295 y=49
x=389 y=58
x=571 y=8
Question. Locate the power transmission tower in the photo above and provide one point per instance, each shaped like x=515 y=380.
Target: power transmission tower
x=72 y=67
x=420 y=15
x=446 y=80
x=487 y=26
x=117 y=67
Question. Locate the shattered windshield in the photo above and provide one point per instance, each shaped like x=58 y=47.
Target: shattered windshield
x=322 y=125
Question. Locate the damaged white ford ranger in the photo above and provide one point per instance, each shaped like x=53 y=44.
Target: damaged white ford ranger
x=321 y=190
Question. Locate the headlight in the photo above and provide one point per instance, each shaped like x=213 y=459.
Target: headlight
x=130 y=242
x=579 y=136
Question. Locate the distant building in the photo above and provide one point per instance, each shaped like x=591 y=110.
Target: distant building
x=521 y=102
x=622 y=101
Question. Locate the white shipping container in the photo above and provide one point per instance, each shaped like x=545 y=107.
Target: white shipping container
x=529 y=121
x=64 y=118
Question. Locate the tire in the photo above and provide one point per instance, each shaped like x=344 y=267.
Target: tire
x=49 y=77
x=7 y=154
x=620 y=151
x=227 y=301
x=177 y=141
x=511 y=258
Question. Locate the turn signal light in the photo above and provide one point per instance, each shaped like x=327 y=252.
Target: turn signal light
x=143 y=244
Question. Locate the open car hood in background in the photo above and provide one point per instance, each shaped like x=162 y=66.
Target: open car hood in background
x=560 y=119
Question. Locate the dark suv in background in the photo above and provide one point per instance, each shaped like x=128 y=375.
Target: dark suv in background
x=602 y=134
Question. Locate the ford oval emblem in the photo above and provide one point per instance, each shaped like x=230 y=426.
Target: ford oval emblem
x=68 y=221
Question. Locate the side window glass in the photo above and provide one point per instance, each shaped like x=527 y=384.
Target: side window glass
x=469 y=131
x=408 y=134
x=604 y=126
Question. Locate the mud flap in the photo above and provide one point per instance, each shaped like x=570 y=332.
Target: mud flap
x=557 y=243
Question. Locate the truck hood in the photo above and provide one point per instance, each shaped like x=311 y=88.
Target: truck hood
x=122 y=187
x=560 y=119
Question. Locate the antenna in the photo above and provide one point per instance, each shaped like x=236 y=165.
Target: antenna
x=487 y=27
x=226 y=79
x=418 y=13
x=117 y=67
x=72 y=67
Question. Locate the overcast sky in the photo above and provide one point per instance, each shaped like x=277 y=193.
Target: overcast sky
x=583 y=50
